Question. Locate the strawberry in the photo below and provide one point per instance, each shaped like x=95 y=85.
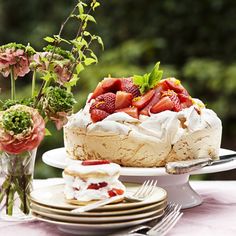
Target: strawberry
x=98 y=115
x=174 y=98
x=132 y=111
x=111 y=84
x=186 y=100
x=106 y=85
x=154 y=100
x=128 y=86
x=115 y=191
x=123 y=99
x=97 y=186
x=174 y=84
x=94 y=162
x=141 y=102
x=164 y=104
x=105 y=102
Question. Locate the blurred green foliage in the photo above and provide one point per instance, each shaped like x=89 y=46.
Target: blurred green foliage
x=194 y=40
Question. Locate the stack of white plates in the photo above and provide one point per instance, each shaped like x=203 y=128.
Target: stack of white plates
x=49 y=205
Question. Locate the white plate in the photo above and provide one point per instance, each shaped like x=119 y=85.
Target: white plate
x=143 y=209
x=93 y=229
x=58 y=158
x=96 y=220
x=53 y=196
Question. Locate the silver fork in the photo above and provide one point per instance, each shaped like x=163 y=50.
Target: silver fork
x=170 y=208
x=141 y=194
x=164 y=226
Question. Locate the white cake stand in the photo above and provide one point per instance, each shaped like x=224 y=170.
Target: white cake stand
x=177 y=186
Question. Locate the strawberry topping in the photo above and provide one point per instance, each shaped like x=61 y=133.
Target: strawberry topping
x=132 y=111
x=123 y=99
x=128 y=86
x=106 y=102
x=141 y=102
x=115 y=191
x=95 y=162
x=164 y=104
x=97 y=186
x=98 y=115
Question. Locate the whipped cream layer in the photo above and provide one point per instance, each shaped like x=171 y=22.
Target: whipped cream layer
x=79 y=178
x=147 y=141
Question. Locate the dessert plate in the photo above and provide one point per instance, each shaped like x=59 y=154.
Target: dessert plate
x=93 y=229
x=58 y=158
x=143 y=209
x=53 y=196
x=104 y=219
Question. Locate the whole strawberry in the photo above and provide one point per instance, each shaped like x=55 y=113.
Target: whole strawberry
x=128 y=86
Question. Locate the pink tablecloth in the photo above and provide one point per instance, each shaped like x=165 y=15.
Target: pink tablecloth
x=216 y=216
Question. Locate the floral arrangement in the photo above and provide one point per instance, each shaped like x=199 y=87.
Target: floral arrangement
x=23 y=121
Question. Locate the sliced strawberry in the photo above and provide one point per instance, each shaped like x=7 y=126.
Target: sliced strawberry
x=128 y=86
x=164 y=104
x=141 y=102
x=111 y=84
x=123 y=99
x=154 y=100
x=98 y=91
x=132 y=111
x=94 y=162
x=115 y=191
x=105 y=102
x=97 y=186
x=186 y=100
x=98 y=115
x=174 y=85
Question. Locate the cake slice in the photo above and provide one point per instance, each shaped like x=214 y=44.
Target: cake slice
x=92 y=180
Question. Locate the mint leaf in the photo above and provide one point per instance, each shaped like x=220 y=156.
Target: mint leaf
x=155 y=75
x=148 y=81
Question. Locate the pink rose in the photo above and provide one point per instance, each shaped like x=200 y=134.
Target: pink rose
x=16 y=144
x=16 y=58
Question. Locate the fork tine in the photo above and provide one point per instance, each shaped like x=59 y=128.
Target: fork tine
x=139 y=190
x=171 y=224
x=150 y=189
x=146 y=189
x=168 y=221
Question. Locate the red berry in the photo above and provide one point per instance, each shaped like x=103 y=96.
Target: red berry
x=123 y=99
x=111 y=84
x=186 y=100
x=128 y=86
x=175 y=86
x=164 y=104
x=94 y=162
x=93 y=186
x=115 y=191
x=106 y=102
x=153 y=101
x=98 y=91
x=98 y=115
x=132 y=111
x=141 y=102
x=97 y=186
x=174 y=98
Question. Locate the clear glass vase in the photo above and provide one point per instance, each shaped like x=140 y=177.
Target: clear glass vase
x=16 y=184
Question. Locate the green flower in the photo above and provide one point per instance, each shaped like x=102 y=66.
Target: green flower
x=25 y=101
x=16 y=121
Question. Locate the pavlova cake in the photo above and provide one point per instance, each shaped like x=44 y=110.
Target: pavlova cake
x=142 y=121
x=92 y=180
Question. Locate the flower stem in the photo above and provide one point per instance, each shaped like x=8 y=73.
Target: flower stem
x=13 y=85
x=33 y=84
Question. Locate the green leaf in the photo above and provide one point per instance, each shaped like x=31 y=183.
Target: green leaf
x=155 y=75
x=89 y=61
x=87 y=17
x=80 y=7
x=95 y=5
x=49 y=39
x=148 y=81
x=72 y=82
x=79 y=68
x=99 y=39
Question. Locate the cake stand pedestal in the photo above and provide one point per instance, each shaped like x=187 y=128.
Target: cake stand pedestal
x=177 y=186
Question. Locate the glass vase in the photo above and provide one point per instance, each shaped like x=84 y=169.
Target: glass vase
x=16 y=184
